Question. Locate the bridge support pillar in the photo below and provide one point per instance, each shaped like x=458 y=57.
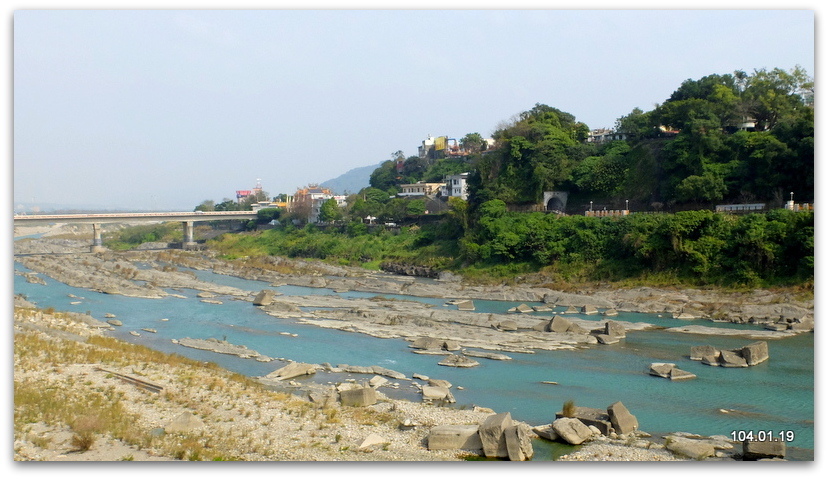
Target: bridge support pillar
x=189 y=242
x=97 y=243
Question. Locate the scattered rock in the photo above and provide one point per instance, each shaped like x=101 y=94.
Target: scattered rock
x=185 y=422
x=589 y=309
x=372 y=440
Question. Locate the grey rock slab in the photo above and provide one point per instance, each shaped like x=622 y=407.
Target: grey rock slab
x=491 y=434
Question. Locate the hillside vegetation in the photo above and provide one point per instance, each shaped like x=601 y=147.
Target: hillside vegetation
x=733 y=138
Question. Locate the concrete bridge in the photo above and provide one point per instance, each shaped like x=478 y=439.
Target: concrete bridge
x=96 y=219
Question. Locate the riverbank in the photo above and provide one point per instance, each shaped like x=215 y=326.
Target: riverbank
x=78 y=398
x=372 y=315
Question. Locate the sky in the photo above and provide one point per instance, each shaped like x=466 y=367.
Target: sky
x=163 y=109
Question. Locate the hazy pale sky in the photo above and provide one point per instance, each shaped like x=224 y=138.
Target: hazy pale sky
x=162 y=109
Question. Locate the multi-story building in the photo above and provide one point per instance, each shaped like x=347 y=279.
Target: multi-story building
x=455 y=185
x=420 y=189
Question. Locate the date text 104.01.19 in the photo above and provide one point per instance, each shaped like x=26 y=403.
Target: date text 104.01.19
x=762 y=435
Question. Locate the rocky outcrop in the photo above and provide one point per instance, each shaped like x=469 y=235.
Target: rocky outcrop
x=410 y=270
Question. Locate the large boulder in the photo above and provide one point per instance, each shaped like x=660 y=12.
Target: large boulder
x=755 y=450
x=589 y=416
x=755 y=353
x=607 y=339
x=435 y=393
x=358 y=397
x=661 y=369
x=546 y=431
x=621 y=419
x=491 y=434
x=463 y=437
x=466 y=305
x=519 y=442
x=559 y=324
x=571 y=430
x=669 y=371
x=692 y=448
x=697 y=353
x=614 y=328
x=264 y=298
x=732 y=359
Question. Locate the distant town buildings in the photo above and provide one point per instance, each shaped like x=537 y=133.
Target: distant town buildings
x=443 y=146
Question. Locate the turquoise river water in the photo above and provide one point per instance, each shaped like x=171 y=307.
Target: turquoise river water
x=776 y=396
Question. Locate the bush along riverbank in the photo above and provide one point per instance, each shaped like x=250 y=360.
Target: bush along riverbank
x=692 y=248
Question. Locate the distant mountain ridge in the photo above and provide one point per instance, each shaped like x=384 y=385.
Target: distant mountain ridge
x=351 y=181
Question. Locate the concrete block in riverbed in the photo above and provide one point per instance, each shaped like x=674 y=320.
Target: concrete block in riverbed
x=589 y=309
x=464 y=437
x=559 y=324
x=293 y=370
x=755 y=353
x=491 y=434
x=755 y=450
x=519 y=442
x=571 y=430
x=546 y=431
x=434 y=393
x=732 y=359
x=507 y=325
x=358 y=397
x=697 y=353
x=614 y=328
x=591 y=417
x=691 y=448
x=661 y=369
x=621 y=419
x=607 y=339
x=264 y=298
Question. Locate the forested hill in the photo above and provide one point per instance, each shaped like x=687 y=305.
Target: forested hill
x=731 y=138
